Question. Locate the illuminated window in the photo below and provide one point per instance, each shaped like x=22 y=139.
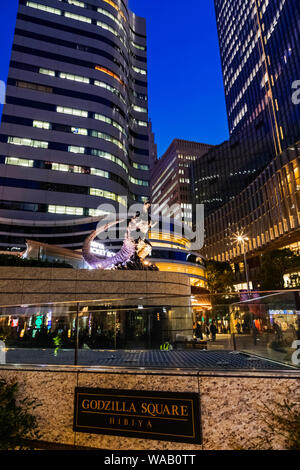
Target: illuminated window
x=47 y=72
x=19 y=161
x=115 y=6
x=108 y=195
x=97 y=172
x=76 y=3
x=73 y=111
x=65 y=210
x=139 y=182
x=111 y=16
x=101 y=117
x=59 y=167
x=97 y=212
x=73 y=16
x=68 y=168
x=27 y=142
x=138 y=70
x=79 y=131
x=139 y=109
x=74 y=149
x=75 y=78
x=109 y=88
x=108 y=138
x=41 y=124
x=138 y=46
x=109 y=72
x=109 y=156
x=43 y=8
x=107 y=28
x=139 y=166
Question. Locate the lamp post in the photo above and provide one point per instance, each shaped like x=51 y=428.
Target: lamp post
x=241 y=239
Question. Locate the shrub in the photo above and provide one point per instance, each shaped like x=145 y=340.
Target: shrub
x=11 y=260
x=17 y=421
x=279 y=420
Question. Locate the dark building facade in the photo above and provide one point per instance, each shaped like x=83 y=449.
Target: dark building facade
x=170 y=177
x=267 y=211
x=222 y=173
x=74 y=131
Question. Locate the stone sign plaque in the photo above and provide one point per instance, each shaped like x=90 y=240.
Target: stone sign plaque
x=149 y=415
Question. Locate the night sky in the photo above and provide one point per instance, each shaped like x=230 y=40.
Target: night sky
x=186 y=95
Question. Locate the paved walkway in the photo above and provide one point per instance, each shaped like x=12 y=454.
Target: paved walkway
x=184 y=359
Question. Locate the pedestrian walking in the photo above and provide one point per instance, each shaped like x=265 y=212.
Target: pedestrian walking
x=213 y=330
x=198 y=332
x=207 y=331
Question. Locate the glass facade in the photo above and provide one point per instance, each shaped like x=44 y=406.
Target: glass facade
x=268 y=210
x=260 y=56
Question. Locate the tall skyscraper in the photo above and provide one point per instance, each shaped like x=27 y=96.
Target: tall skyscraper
x=74 y=131
x=252 y=181
x=260 y=55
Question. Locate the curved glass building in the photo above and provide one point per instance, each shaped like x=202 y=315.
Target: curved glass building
x=171 y=253
x=74 y=130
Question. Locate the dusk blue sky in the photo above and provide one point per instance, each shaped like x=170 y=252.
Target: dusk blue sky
x=186 y=95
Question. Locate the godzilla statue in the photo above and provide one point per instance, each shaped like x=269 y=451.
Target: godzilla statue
x=133 y=251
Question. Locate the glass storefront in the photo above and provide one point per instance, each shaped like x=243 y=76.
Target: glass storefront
x=268 y=325
x=55 y=332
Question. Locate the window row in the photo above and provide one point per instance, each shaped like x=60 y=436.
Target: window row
x=71 y=148
x=80 y=150
x=89 y=20
x=59 y=209
x=48 y=165
x=82 y=79
x=63 y=188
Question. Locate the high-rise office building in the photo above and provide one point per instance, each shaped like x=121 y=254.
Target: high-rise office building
x=170 y=178
x=256 y=174
x=260 y=56
x=74 y=131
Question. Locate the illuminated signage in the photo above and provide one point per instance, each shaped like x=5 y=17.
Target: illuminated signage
x=147 y=415
x=39 y=321
x=282 y=312
x=99 y=249
x=49 y=320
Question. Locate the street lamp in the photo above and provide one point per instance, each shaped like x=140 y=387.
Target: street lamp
x=241 y=239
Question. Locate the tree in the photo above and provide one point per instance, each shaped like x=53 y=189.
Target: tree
x=220 y=281
x=273 y=266
x=220 y=277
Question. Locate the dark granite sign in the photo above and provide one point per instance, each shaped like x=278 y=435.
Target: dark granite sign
x=148 y=415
